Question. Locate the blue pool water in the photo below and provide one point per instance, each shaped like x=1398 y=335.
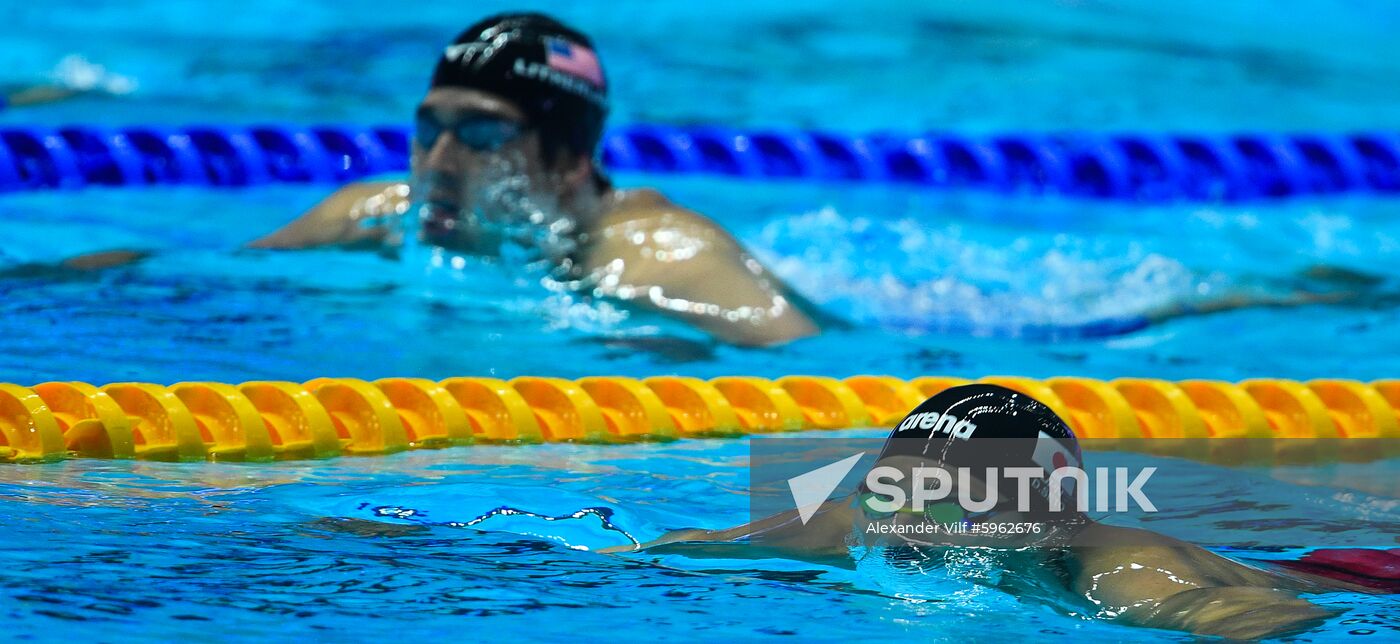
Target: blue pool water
x=227 y=550
x=934 y=283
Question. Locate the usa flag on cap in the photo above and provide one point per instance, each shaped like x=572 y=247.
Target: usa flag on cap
x=573 y=59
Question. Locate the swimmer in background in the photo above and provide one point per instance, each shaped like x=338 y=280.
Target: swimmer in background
x=75 y=77
x=513 y=115
x=505 y=152
x=1125 y=575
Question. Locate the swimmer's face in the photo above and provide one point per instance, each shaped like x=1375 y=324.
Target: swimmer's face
x=942 y=521
x=465 y=141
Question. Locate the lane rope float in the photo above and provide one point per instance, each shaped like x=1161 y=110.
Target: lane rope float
x=1255 y=421
x=1132 y=166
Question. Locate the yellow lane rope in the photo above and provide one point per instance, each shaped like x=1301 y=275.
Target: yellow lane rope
x=327 y=417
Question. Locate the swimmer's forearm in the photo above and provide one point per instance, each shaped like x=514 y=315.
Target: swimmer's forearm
x=1236 y=302
x=39 y=95
x=699 y=535
x=733 y=543
x=1233 y=612
x=821 y=539
x=339 y=219
x=90 y=262
x=691 y=536
x=104 y=259
x=1355 y=287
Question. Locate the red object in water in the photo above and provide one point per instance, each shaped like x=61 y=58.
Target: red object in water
x=1379 y=569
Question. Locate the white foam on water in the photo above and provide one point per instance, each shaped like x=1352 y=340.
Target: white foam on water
x=76 y=72
x=905 y=273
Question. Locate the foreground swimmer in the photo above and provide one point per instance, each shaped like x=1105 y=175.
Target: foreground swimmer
x=1126 y=575
x=505 y=157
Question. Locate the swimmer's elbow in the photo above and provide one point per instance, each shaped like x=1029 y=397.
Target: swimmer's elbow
x=334 y=221
x=1235 y=613
x=302 y=235
x=309 y=231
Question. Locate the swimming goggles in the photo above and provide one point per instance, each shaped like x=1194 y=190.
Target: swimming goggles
x=944 y=512
x=480 y=132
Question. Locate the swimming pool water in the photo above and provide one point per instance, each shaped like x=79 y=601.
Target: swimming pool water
x=295 y=550
x=933 y=283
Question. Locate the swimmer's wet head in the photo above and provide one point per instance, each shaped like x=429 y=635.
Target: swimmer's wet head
x=1012 y=528
x=505 y=141
x=974 y=465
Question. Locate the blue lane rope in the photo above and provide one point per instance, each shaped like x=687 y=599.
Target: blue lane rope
x=1140 y=167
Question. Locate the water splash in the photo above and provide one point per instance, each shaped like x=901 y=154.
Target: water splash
x=78 y=73
x=903 y=274
x=603 y=514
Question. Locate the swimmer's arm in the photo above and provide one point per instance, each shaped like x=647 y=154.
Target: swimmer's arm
x=327 y=223
x=1166 y=583
x=336 y=220
x=1243 y=301
x=37 y=95
x=1340 y=286
x=89 y=263
x=1236 y=612
x=726 y=283
x=821 y=540
x=697 y=536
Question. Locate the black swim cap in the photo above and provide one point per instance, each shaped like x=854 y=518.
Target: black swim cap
x=547 y=68
x=979 y=426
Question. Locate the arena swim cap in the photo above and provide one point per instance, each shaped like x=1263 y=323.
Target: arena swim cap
x=981 y=425
x=547 y=68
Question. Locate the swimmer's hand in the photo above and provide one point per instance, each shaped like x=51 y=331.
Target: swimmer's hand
x=39 y=95
x=1236 y=302
x=76 y=266
x=103 y=260
x=821 y=540
x=1317 y=284
x=1340 y=276
x=1234 y=612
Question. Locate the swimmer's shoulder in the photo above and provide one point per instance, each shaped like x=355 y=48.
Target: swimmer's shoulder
x=648 y=210
x=1103 y=546
x=645 y=239
x=1100 y=549
x=632 y=221
x=347 y=217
